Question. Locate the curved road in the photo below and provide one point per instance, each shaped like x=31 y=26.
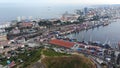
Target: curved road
x=93 y=59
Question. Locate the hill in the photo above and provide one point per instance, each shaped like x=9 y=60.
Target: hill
x=73 y=61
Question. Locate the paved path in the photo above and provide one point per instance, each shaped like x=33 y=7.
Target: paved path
x=42 y=56
x=97 y=64
x=39 y=64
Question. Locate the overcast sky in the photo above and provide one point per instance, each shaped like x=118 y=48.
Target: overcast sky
x=47 y=2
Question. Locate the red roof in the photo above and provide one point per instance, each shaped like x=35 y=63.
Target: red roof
x=27 y=24
x=62 y=43
x=4 y=42
x=12 y=64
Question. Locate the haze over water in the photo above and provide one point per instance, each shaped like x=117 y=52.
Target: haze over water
x=11 y=12
x=8 y=13
x=10 y=9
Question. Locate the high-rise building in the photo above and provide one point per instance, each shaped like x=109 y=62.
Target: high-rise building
x=69 y=17
x=85 y=10
x=23 y=18
x=118 y=59
x=19 y=19
x=79 y=12
x=30 y=17
x=119 y=45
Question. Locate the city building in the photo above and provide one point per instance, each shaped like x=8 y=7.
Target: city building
x=85 y=10
x=23 y=18
x=35 y=24
x=118 y=59
x=26 y=24
x=6 y=25
x=119 y=45
x=15 y=31
x=18 y=19
x=69 y=17
x=2 y=30
x=3 y=33
x=79 y=12
x=30 y=18
x=3 y=37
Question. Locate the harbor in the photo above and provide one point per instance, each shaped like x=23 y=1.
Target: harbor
x=91 y=34
x=104 y=34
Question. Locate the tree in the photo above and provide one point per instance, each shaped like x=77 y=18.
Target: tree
x=95 y=17
x=118 y=59
x=45 y=23
x=81 y=19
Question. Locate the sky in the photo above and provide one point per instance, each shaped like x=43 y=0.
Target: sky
x=58 y=2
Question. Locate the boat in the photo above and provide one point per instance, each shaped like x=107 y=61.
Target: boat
x=105 y=24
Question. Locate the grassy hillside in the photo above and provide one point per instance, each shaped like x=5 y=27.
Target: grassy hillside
x=51 y=53
x=62 y=60
x=67 y=62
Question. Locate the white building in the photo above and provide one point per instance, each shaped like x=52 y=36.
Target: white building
x=19 y=19
x=23 y=18
x=30 y=18
x=69 y=17
x=15 y=31
x=3 y=37
x=5 y=25
x=2 y=28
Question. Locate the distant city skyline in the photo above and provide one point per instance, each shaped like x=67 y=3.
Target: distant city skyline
x=56 y=2
x=10 y=9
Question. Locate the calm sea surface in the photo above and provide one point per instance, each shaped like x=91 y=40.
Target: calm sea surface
x=8 y=13
x=110 y=34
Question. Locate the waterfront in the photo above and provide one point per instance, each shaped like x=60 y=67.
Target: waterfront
x=21 y=38
x=109 y=33
x=36 y=12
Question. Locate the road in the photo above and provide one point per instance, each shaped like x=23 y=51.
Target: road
x=93 y=59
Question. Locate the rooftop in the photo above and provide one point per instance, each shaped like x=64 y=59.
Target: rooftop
x=62 y=43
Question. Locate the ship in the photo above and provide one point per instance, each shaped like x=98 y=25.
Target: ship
x=105 y=24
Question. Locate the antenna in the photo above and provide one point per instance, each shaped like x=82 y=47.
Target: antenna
x=106 y=41
x=90 y=38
